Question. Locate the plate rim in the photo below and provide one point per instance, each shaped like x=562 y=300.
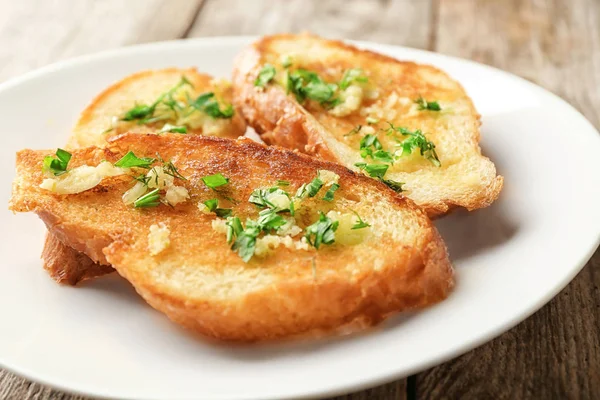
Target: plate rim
x=340 y=388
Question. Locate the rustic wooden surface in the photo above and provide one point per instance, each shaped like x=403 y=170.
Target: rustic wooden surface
x=555 y=43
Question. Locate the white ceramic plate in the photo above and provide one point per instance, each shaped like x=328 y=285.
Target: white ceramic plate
x=511 y=258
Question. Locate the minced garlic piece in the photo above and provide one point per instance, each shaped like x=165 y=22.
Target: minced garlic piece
x=344 y=234
x=266 y=244
x=203 y=208
x=351 y=100
x=328 y=177
x=158 y=238
x=279 y=200
x=219 y=225
x=176 y=195
x=81 y=178
x=137 y=191
x=158 y=178
x=290 y=228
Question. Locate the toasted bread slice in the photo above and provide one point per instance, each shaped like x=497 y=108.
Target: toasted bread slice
x=464 y=179
x=94 y=128
x=400 y=262
x=95 y=123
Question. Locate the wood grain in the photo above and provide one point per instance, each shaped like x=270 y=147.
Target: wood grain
x=405 y=22
x=34 y=33
x=555 y=354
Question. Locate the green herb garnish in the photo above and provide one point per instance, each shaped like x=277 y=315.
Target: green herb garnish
x=57 y=165
x=212 y=204
x=268 y=219
x=170 y=169
x=150 y=199
x=394 y=185
x=329 y=195
x=223 y=212
x=234 y=228
x=308 y=85
x=266 y=75
x=214 y=181
x=208 y=104
x=360 y=224
x=351 y=76
x=427 y=105
x=416 y=140
x=130 y=160
x=173 y=129
x=322 y=231
x=354 y=131
x=283 y=183
x=311 y=189
x=144 y=111
x=245 y=243
x=374 y=170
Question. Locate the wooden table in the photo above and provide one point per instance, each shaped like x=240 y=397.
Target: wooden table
x=554 y=43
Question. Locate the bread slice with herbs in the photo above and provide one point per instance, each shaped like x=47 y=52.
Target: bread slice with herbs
x=236 y=240
x=407 y=124
x=180 y=100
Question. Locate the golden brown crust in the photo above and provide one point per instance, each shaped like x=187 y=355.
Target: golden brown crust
x=281 y=120
x=68 y=266
x=278 y=296
x=61 y=262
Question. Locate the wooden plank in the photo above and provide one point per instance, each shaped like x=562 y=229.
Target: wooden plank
x=554 y=354
x=404 y=22
x=35 y=33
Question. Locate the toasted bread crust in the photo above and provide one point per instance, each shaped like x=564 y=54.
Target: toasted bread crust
x=69 y=266
x=281 y=120
x=62 y=263
x=413 y=272
x=87 y=132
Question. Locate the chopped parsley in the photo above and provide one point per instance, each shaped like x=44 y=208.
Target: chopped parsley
x=223 y=212
x=170 y=169
x=266 y=75
x=216 y=180
x=311 y=189
x=374 y=170
x=416 y=140
x=167 y=108
x=354 y=131
x=260 y=197
x=213 y=206
x=283 y=183
x=351 y=76
x=427 y=105
x=370 y=146
x=150 y=199
x=394 y=185
x=130 y=160
x=268 y=219
x=329 y=195
x=360 y=224
x=306 y=84
x=173 y=129
x=322 y=231
x=57 y=165
x=208 y=104
x=245 y=242
x=144 y=111
x=234 y=228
